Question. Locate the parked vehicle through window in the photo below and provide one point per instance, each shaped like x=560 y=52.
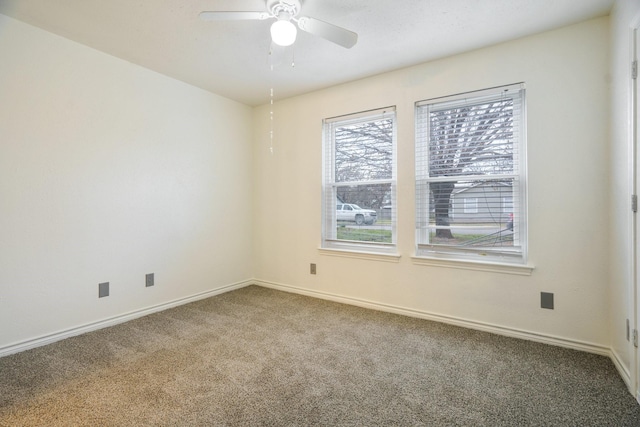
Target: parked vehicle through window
x=354 y=213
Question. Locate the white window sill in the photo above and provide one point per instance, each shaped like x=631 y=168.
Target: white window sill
x=494 y=267
x=370 y=256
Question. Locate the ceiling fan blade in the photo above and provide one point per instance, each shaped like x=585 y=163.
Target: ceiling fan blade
x=333 y=33
x=233 y=16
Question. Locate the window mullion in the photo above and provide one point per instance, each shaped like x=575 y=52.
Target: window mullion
x=355 y=183
x=496 y=177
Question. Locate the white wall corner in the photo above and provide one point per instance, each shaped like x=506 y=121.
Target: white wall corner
x=622 y=370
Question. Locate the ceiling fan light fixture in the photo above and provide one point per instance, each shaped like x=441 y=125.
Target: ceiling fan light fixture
x=283 y=32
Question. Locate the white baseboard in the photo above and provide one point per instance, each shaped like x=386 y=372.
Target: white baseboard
x=78 y=330
x=622 y=370
x=470 y=324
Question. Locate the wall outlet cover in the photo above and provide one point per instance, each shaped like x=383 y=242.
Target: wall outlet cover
x=103 y=289
x=546 y=300
x=148 y=280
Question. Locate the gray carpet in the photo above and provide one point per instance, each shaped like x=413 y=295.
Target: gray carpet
x=257 y=356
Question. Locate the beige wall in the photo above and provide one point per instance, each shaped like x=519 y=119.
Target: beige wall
x=625 y=16
x=109 y=171
x=565 y=72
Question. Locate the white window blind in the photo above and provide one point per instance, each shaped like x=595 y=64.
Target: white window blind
x=470 y=175
x=359 y=175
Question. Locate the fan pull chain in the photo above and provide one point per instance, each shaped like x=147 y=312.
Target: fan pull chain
x=271 y=123
x=271 y=103
x=271 y=92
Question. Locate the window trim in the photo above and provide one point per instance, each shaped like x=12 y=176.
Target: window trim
x=456 y=256
x=475 y=265
x=363 y=254
x=329 y=221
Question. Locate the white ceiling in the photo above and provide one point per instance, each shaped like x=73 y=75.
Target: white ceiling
x=232 y=58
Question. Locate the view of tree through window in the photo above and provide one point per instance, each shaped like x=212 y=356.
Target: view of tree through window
x=468 y=140
x=359 y=178
x=364 y=151
x=469 y=150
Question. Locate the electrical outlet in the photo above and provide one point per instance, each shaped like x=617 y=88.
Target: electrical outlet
x=312 y=269
x=103 y=289
x=148 y=280
x=546 y=300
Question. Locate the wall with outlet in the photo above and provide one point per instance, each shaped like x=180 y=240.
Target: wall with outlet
x=108 y=172
x=566 y=76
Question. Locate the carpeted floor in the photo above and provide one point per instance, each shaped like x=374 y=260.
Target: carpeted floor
x=257 y=356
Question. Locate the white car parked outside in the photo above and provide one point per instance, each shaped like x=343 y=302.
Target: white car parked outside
x=354 y=213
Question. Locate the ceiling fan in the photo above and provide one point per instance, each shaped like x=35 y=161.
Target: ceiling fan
x=283 y=32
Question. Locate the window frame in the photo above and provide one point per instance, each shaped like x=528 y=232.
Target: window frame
x=329 y=240
x=424 y=248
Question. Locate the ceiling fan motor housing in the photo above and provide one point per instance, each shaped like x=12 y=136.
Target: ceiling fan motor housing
x=290 y=8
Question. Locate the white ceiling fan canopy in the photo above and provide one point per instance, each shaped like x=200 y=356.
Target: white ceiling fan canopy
x=289 y=7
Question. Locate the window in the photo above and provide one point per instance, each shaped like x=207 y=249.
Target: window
x=470 y=176
x=471 y=205
x=359 y=182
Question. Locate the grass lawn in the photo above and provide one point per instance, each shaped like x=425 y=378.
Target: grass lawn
x=364 y=235
x=469 y=239
x=384 y=236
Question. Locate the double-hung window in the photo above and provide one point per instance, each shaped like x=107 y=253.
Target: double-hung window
x=470 y=176
x=359 y=182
